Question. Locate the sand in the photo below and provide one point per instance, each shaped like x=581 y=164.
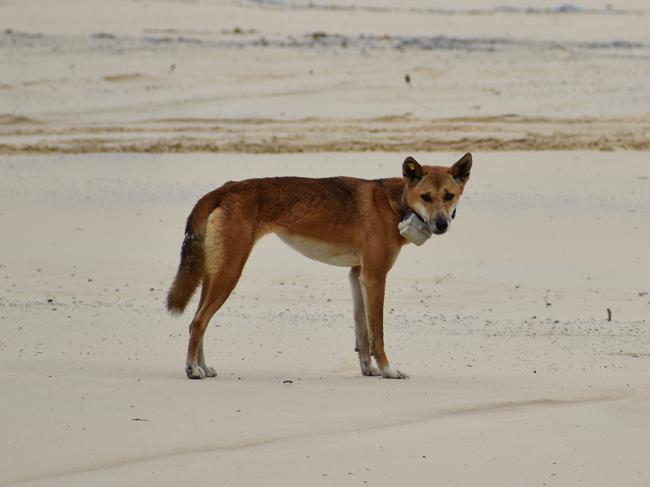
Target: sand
x=517 y=377
x=276 y=76
x=116 y=116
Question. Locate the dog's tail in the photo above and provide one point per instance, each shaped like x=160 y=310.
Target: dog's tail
x=191 y=268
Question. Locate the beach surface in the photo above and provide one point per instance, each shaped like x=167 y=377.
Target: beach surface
x=525 y=330
x=517 y=376
x=295 y=76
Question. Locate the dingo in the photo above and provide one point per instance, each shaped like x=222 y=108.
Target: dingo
x=339 y=221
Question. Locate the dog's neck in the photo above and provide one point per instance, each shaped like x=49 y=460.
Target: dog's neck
x=395 y=189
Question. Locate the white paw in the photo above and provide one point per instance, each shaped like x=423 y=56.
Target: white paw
x=209 y=371
x=195 y=372
x=369 y=370
x=391 y=373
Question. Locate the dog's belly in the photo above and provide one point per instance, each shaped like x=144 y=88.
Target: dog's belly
x=321 y=251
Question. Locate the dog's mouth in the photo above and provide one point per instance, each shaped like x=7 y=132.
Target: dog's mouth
x=410 y=212
x=441 y=224
x=414 y=228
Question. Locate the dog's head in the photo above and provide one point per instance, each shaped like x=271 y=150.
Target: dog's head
x=432 y=192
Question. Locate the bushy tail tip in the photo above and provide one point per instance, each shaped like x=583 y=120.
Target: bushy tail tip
x=188 y=277
x=180 y=294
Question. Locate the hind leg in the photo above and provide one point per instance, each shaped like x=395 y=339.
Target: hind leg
x=227 y=248
x=202 y=366
x=219 y=289
x=195 y=366
x=209 y=371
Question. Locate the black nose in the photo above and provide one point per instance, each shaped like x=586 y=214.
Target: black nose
x=441 y=224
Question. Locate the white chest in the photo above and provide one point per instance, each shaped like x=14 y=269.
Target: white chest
x=321 y=251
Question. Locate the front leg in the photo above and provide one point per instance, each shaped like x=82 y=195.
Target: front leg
x=373 y=286
x=360 y=325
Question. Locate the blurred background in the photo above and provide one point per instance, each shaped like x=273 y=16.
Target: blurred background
x=335 y=75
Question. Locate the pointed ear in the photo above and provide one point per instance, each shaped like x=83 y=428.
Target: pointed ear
x=411 y=169
x=460 y=170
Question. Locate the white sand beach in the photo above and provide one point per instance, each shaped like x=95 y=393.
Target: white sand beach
x=115 y=117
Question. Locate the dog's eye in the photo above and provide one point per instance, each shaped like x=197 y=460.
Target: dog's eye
x=426 y=197
x=449 y=196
